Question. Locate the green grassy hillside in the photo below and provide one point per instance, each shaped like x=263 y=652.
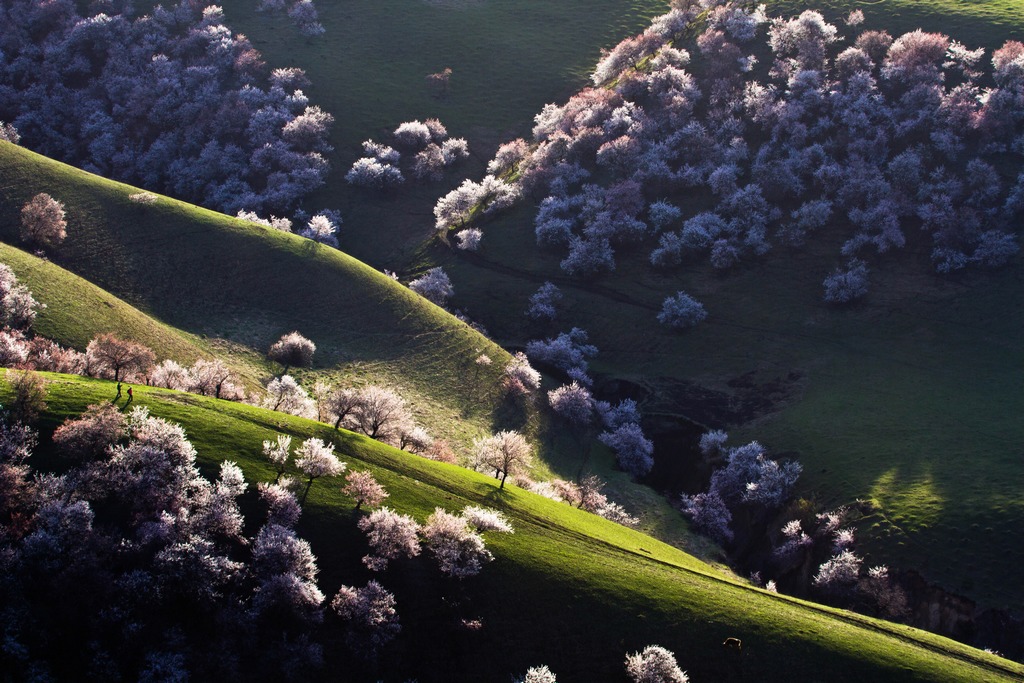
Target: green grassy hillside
x=567 y=589
x=74 y=310
x=227 y=279
x=910 y=399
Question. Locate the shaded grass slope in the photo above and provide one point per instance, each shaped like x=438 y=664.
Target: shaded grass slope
x=74 y=311
x=567 y=589
x=217 y=276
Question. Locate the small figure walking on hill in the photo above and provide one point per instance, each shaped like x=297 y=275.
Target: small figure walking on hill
x=130 y=397
x=118 y=391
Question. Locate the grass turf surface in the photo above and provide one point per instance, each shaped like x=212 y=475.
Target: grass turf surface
x=226 y=279
x=567 y=589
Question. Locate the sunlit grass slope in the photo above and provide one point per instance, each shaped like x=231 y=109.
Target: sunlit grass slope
x=567 y=589
x=213 y=275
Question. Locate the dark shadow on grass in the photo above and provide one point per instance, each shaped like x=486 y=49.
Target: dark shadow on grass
x=510 y=413
x=497 y=496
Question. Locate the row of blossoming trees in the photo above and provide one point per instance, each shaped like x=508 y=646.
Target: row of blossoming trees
x=840 y=135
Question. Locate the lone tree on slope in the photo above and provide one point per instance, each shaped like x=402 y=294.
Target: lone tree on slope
x=42 y=221
x=292 y=349
x=108 y=355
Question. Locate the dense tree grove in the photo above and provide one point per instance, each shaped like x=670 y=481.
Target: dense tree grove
x=171 y=101
x=133 y=566
x=842 y=133
x=747 y=477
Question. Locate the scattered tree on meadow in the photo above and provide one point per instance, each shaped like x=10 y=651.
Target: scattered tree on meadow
x=282 y=506
x=681 y=311
x=480 y=364
x=213 y=378
x=170 y=374
x=9 y=133
x=537 y=674
x=460 y=551
x=109 y=356
x=277 y=454
x=839 y=573
x=633 y=450
x=434 y=286
x=486 y=519
x=292 y=349
x=844 y=286
x=321 y=229
x=469 y=239
x=42 y=221
x=543 y=302
x=371 y=172
x=362 y=487
x=341 y=403
x=391 y=536
x=370 y=616
x=29 y=399
x=888 y=598
x=709 y=515
x=573 y=403
x=565 y=351
x=380 y=413
x=654 y=664
x=440 y=81
x=286 y=395
x=506 y=452
x=316 y=459
x=520 y=377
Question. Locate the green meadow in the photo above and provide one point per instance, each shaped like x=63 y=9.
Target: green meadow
x=568 y=589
